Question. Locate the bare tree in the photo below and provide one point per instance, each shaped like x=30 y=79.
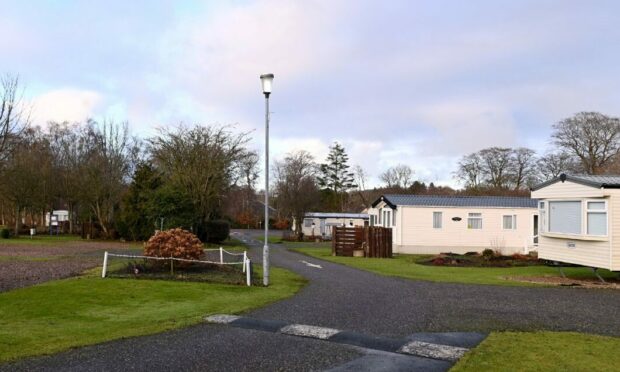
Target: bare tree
x=592 y=137
x=109 y=155
x=523 y=167
x=14 y=116
x=399 y=176
x=551 y=165
x=496 y=165
x=470 y=170
x=27 y=177
x=361 y=178
x=296 y=186
x=203 y=162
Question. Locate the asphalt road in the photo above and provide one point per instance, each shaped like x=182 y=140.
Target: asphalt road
x=348 y=299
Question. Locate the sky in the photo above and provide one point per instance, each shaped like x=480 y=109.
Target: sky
x=409 y=82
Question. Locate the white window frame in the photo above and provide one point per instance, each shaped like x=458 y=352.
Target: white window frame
x=542 y=217
x=440 y=225
x=469 y=217
x=513 y=222
x=587 y=211
x=387 y=217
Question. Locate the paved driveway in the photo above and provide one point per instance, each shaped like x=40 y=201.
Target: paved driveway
x=347 y=299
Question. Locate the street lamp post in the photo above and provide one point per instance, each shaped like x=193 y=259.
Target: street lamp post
x=266 y=81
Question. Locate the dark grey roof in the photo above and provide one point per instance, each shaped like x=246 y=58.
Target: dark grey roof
x=395 y=200
x=603 y=181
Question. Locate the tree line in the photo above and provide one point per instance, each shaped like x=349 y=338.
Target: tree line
x=586 y=143
x=196 y=176
x=125 y=185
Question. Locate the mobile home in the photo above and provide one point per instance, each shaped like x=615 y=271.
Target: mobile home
x=431 y=224
x=580 y=220
x=320 y=224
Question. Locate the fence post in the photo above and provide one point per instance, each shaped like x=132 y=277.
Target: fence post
x=245 y=258
x=334 y=239
x=221 y=256
x=248 y=273
x=105 y=264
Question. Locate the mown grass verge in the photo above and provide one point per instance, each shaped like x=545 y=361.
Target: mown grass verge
x=542 y=351
x=62 y=314
x=405 y=266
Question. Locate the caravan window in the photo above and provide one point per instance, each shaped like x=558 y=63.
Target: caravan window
x=308 y=222
x=565 y=217
x=510 y=222
x=597 y=218
x=474 y=221
x=437 y=220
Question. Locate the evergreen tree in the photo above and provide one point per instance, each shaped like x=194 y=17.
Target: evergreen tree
x=335 y=178
x=136 y=221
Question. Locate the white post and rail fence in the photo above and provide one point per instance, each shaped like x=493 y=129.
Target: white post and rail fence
x=245 y=262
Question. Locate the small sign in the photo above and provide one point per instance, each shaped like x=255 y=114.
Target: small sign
x=571 y=245
x=457 y=219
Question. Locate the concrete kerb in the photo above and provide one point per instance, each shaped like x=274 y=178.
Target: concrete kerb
x=405 y=346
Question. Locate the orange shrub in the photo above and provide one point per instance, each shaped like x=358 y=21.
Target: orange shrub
x=281 y=224
x=177 y=243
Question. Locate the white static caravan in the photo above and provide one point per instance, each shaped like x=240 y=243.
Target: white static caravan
x=320 y=224
x=56 y=217
x=580 y=220
x=431 y=224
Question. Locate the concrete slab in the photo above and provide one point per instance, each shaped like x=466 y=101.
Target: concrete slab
x=461 y=339
x=221 y=318
x=435 y=351
x=303 y=330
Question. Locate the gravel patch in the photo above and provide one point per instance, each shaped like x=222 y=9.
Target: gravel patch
x=23 y=265
x=17 y=273
x=568 y=282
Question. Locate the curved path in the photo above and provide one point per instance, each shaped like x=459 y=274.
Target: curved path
x=348 y=299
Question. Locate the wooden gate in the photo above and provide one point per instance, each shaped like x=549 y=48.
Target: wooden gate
x=375 y=241
x=346 y=239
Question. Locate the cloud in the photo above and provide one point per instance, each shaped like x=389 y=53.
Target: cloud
x=418 y=83
x=466 y=126
x=66 y=104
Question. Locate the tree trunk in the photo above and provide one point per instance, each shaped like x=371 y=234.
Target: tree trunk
x=17 y=213
x=70 y=218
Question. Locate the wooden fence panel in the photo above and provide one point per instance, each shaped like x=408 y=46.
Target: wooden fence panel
x=375 y=241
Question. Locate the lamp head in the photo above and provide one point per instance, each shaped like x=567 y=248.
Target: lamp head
x=266 y=81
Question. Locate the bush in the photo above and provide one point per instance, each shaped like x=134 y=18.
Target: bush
x=217 y=231
x=488 y=254
x=4 y=233
x=175 y=243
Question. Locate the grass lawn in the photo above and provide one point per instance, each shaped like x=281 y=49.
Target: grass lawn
x=61 y=314
x=542 y=351
x=405 y=266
